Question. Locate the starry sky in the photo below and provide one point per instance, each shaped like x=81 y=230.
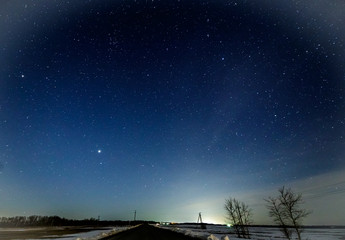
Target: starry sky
x=169 y=107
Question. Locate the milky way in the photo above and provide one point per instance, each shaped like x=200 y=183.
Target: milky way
x=169 y=107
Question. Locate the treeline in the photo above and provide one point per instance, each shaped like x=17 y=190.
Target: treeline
x=46 y=221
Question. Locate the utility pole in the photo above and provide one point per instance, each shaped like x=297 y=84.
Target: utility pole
x=202 y=225
x=199 y=218
x=135 y=214
x=98 y=219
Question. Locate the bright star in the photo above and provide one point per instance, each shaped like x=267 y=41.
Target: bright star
x=99 y=150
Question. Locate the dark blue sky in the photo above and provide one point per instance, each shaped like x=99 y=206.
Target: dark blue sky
x=168 y=107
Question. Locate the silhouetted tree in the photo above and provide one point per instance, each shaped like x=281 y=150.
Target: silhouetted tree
x=286 y=211
x=276 y=212
x=240 y=215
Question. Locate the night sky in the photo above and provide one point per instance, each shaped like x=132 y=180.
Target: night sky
x=169 y=107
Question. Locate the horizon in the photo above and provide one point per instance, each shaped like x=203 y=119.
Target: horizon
x=169 y=222
x=172 y=222
x=171 y=107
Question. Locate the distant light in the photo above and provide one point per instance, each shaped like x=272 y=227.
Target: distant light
x=99 y=150
x=23 y=75
x=229 y=225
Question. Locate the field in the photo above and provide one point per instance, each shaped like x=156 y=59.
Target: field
x=212 y=232
x=62 y=233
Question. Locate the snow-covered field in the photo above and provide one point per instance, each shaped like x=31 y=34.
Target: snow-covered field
x=214 y=232
x=89 y=235
x=92 y=235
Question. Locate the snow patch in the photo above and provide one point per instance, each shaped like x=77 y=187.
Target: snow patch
x=212 y=237
x=216 y=232
x=226 y=237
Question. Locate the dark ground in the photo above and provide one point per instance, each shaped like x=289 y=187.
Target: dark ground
x=148 y=232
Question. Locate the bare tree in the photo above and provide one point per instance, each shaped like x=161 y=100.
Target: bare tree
x=240 y=215
x=287 y=212
x=231 y=214
x=275 y=211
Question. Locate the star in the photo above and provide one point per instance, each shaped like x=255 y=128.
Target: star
x=247 y=93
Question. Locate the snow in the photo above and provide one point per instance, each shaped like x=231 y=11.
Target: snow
x=212 y=237
x=220 y=232
x=213 y=232
x=91 y=235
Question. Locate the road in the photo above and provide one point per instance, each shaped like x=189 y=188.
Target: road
x=147 y=232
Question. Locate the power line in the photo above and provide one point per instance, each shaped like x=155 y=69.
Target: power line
x=326 y=193
x=320 y=191
x=324 y=186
